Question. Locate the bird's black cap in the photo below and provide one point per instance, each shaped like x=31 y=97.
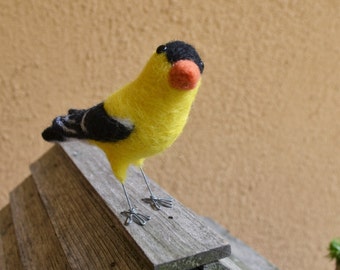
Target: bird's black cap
x=179 y=50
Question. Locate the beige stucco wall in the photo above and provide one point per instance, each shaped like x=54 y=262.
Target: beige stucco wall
x=260 y=154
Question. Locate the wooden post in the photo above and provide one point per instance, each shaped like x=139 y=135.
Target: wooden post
x=9 y=251
x=83 y=201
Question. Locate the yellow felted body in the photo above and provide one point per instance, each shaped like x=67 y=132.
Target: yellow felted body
x=157 y=111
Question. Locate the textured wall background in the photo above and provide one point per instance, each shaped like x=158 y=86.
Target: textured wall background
x=260 y=153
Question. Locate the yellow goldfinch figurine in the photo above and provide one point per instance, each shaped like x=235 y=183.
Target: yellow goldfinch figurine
x=141 y=119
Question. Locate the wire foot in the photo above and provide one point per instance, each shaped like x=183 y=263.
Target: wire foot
x=133 y=216
x=157 y=203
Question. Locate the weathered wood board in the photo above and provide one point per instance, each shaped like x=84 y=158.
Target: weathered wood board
x=243 y=256
x=173 y=239
x=88 y=232
x=38 y=246
x=2 y=255
x=10 y=258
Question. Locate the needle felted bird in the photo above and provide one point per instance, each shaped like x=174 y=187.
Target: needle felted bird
x=141 y=119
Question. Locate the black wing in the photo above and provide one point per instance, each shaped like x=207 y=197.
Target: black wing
x=93 y=124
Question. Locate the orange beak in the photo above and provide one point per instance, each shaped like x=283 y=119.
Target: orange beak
x=184 y=75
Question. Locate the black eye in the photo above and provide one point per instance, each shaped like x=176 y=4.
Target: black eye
x=161 y=49
x=202 y=65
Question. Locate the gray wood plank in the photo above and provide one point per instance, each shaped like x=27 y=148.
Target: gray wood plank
x=174 y=239
x=10 y=252
x=242 y=257
x=38 y=245
x=88 y=232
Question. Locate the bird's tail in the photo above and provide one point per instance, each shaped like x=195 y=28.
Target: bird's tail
x=66 y=127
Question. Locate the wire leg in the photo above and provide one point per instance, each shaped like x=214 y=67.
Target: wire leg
x=155 y=202
x=127 y=197
x=132 y=214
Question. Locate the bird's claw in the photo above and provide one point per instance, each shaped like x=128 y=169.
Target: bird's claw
x=157 y=203
x=133 y=216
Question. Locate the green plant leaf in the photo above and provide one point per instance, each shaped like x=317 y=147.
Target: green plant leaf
x=334 y=249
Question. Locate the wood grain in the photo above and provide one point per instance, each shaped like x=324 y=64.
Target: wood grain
x=2 y=255
x=89 y=233
x=10 y=259
x=174 y=239
x=38 y=245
